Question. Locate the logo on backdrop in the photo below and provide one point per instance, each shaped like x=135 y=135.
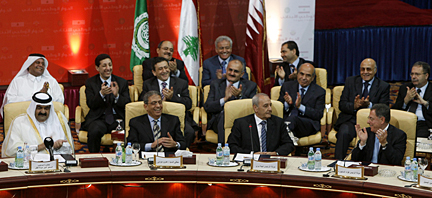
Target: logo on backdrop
x=140 y=42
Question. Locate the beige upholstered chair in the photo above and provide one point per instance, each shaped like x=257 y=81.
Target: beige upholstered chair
x=81 y=112
x=135 y=109
x=13 y=110
x=403 y=120
x=194 y=92
x=240 y=108
x=333 y=115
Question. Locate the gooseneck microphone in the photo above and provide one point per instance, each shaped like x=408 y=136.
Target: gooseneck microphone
x=250 y=132
x=358 y=143
x=49 y=143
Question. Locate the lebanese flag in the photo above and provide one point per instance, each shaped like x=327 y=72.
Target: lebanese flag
x=188 y=40
x=256 y=55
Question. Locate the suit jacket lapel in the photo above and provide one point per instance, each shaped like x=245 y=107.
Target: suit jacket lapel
x=308 y=94
x=164 y=129
x=155 y=85
x=359 y=86
x=147 y=126
x=255 y=137
x=270 y=130
x=222 y=88
x=374 y=88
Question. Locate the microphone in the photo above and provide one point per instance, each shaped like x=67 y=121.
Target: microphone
x=49 y=143
x=252 y=149
x=358 y=143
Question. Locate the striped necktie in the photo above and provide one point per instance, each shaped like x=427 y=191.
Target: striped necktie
x=263 y=136
x=157 y=134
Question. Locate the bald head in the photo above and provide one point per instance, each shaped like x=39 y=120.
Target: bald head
x=306 y=74
x=368 y=69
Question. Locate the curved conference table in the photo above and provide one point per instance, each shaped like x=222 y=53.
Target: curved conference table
x=199 y=180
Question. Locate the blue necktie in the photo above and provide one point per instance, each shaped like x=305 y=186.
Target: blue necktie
x=365 y=90
x=224 y=67
x=302 y=93
x=376 y=151
x=263 y=136
x=292 y=68
x=164 y=84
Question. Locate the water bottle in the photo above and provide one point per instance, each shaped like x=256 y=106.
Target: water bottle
x=414 y=168
x=311 y=160
x=27 y=155
x=219 y=155
x=119 y=153
x=318 y=157
x=19 y=159
x=407 y=172
x=226 y=155
x=128 y=159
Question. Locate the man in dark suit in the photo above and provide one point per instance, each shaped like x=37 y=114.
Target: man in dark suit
x=381 y=142
x=233 y=87
x=165 y=49
x=291 y=62
x=216 y=66
x=355 y=97
x=172 y=89
x=304 y=102
x=268 y=132
x=416 y=96
x=106 y=96
x=156 y=131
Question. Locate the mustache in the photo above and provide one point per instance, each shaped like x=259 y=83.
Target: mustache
x=42 y=114
x=167 y=53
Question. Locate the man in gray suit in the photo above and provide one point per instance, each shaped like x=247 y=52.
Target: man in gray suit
x=216 y=66
x=232 y=87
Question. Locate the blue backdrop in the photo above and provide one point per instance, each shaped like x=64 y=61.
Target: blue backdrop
x=395 y=49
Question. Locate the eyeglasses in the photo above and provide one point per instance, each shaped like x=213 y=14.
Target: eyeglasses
x=155 y=102
x=416 y=74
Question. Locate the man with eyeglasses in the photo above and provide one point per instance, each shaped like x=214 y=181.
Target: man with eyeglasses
x=156 y=131
x=416 y=96
x=165 y=49
x=216 y=67
x=361 y=91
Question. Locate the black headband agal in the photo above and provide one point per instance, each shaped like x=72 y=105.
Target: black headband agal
x=43 y=101
x=38 y=55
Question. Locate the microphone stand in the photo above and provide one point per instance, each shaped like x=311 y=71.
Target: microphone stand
x=358 y=142
x=251 y=137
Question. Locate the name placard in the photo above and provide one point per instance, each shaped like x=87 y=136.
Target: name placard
x=168 y=162
x=350 y=172
x=424 y=181
x=50 y=166
x=265 y=166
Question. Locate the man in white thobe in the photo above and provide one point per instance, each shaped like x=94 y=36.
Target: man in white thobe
x=33 y=77
x=33 y=127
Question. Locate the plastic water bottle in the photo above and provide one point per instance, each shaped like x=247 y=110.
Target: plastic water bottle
x=119 y=153
x=407 y=172
x=311 y=159
x=27 y=155
x=414 y=168
x=128 y=159
x=318 y=157
x=226 y=155
x=219 y=155
x=19 y=159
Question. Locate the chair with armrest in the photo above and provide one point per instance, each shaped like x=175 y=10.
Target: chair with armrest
x=81 y=112
x=13 y=110
x=333 y=115
x=240 y=108
x=135 y=109
x=403 y=120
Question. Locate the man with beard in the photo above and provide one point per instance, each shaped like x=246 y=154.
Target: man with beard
x=216 y=66
x=416 y=96
x=269 y=134
x=106 y=95
x=165 y=49
x=33 y=127
x=156 y=131
x=233 y=87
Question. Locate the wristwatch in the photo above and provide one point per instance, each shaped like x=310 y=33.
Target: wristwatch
x=178 y=145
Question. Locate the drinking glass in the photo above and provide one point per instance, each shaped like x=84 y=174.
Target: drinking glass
x=136 y=149
x=33 y=151
x=423 y=163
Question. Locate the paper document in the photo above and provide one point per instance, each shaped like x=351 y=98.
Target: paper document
x=60 y=158
x=240 y=157
x=40 y=157
x=146 y=155
x=347 y=164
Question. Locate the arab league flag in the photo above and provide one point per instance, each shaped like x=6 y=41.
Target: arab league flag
x=140 y=40
x=188 y=41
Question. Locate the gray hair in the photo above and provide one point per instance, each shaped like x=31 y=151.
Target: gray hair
x=150 y=93
x=255 y=99
x=223 y=38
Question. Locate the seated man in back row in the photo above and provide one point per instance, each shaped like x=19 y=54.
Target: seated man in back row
x=304 y=102
x=33 y=127
x=156 y=131
x=381 y=142
x=269 y=134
